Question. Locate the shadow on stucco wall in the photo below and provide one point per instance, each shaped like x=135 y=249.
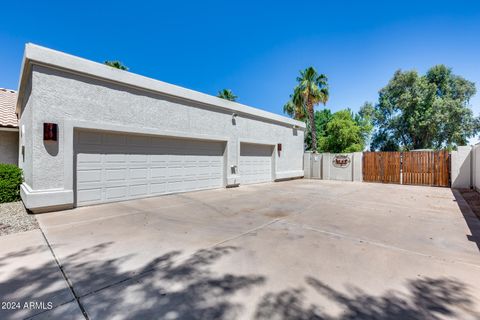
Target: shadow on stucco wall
x=51 y=147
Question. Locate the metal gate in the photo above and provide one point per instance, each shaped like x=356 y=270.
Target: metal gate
x=431 y=168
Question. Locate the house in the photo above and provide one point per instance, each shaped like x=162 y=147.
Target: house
x=8 y=127
x=93 y=134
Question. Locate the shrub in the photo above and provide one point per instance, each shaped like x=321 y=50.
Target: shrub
x=10 y=180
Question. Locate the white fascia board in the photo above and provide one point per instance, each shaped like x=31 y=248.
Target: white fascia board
x=44 y=56
x=10 y=129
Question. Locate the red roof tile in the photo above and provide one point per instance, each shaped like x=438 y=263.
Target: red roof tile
x=8 y=101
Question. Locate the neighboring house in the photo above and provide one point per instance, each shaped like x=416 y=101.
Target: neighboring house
x=8 y=127
x=94 y=134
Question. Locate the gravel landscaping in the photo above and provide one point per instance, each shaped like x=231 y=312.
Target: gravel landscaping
x=14 y=218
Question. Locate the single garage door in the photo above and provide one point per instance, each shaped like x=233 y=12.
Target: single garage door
x=255 y=163
x=114 y=167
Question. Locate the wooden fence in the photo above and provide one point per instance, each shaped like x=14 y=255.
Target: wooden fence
x=430 y=168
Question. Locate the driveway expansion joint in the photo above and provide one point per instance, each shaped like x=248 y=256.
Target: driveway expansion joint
x=379 y=244
x=70 y=286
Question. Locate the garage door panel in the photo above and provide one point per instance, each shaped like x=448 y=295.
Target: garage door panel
x=158 y=187
x=139 y=190
x=158 y=172
x=255 y=163
x=118 y=174
x=124 y=167
x=116 y=192
x=85 y=158
x=115 y=158
x=138 y=173
x=90 y=195
x=92 y=175
x=158 y=159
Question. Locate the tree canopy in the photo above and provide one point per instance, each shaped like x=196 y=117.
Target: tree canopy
x=116 y=64
x=424 y=111
x=227 y=94
x=345 y=132
x=342 y=131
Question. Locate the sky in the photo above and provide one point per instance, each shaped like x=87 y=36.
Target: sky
x=255 y=48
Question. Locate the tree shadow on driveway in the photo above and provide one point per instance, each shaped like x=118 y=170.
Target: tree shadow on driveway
x=170 y=287
x=176 y=290
x=426 y=298
x=164 y=288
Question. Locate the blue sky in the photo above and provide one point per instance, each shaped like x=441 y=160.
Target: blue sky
x=256 y=48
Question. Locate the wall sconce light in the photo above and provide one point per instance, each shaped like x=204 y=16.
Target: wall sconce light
x=234 y=118
x=279 y=148
x=50 y=131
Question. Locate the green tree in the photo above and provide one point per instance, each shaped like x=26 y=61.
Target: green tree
x=227 y=94
x=312 y=89
x=424 y=111
x=364 y=119
x=342 y=134
x=116 y=64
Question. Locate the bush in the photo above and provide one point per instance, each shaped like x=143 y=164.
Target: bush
x=10 y=180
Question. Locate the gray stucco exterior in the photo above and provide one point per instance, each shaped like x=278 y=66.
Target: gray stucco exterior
x=8 y=147
x=76 y=93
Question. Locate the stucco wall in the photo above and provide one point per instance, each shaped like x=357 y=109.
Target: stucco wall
x=26 y=135
x=312 y=165
x=320 y=166
x=476 y=167
x=461 y=170
x=8 y=147
x=72 y=100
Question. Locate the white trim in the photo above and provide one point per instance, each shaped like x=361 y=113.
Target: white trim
x=38 y=199
x=8 y=129
x=289 y=174
x=35 y=54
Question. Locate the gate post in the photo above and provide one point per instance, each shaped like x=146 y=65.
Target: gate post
x=401 y=167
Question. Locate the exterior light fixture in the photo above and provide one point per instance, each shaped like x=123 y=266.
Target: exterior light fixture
x=50 y=131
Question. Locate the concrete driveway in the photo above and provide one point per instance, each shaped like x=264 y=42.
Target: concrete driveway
x=300 y=249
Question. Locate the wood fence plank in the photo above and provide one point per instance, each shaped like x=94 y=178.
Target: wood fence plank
x=430 y=168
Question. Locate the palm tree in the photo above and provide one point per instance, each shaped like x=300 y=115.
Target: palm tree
x=311 y=90
x=295 y=107
x=227 y=94
x=116 y=64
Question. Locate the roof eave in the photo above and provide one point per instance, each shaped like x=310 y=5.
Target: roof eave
x=35 y=54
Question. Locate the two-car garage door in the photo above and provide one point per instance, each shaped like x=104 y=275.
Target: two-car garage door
x=114 y=167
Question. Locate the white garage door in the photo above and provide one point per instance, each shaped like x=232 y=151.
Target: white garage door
x=255 y=163
x=115 y=167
